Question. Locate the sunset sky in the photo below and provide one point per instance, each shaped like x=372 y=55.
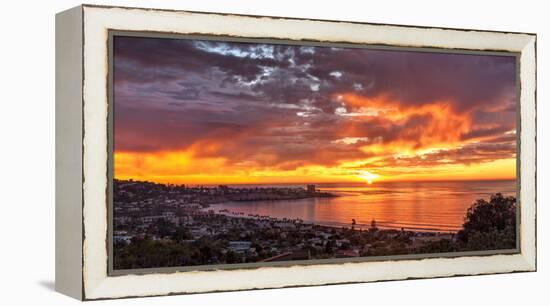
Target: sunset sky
x=204 y=112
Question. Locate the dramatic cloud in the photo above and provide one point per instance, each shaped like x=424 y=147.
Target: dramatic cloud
x=261 y=109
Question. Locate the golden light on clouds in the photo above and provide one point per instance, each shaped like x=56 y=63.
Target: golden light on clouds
x=228 y=113
x=175 y=167
x=406 y=157
x=444 y=127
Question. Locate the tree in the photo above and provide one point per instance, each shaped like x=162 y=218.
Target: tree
x=373 y=226
x=329 y=246
x=490 y=225
x=164 y=227
x=232 y=257
x=181 y=234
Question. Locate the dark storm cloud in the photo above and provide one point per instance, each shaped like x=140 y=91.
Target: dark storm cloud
x=143 y=60
x=419 y=78
x=256 y=100
x=484 y=132
x=469 y=154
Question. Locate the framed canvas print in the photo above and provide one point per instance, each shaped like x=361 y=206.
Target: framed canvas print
x=201 y=152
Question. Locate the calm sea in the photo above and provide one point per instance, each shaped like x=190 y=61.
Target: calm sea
x=422 y=206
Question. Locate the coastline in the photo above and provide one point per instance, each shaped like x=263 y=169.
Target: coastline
x=335 y=225
x=157 y=225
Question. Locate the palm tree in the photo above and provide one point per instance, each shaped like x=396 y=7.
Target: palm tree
x=373 y=225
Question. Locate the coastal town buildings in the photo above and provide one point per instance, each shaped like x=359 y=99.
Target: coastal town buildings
x=179 y=218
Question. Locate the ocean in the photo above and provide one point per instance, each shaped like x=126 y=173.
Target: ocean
x=418 y=206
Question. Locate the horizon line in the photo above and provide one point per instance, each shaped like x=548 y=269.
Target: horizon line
x=310 y=183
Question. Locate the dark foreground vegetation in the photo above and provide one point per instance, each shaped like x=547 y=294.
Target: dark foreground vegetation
x=197 y=237
x=488 y=225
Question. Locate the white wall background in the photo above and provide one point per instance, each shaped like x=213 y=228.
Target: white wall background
x=27 y=153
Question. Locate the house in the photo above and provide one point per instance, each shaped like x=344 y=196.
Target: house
x=122 y=239
x=239 y=246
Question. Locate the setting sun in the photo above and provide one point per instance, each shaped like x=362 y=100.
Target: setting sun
x=367 y=176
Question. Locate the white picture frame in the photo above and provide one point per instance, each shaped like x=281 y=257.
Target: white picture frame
x=82 y=112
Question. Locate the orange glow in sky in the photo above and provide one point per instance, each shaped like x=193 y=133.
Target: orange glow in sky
x=401 y=159
x=205 y=112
